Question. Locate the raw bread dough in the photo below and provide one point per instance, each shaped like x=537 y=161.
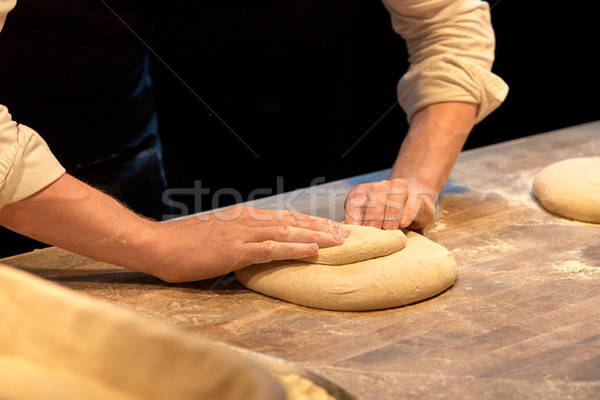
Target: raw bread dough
x=59 y=344
x=571 y=188
x=419 y=271
x=364 y=243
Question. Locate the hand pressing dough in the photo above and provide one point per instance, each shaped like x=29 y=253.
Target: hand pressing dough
x=364 y=243
x=420 y=270
x=571 y=188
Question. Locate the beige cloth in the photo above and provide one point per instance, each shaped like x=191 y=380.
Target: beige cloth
x=57 y=344
x=26 y=163
x=451 y=45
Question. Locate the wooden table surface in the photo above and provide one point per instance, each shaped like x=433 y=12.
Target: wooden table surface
x=522 y=321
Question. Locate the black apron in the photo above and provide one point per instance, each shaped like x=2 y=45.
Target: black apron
x=77 y=74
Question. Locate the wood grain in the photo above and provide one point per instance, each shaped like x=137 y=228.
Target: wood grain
x=522 y=321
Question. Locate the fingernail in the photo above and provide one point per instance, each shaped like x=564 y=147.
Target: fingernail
x=404 y=222
x=345 y=233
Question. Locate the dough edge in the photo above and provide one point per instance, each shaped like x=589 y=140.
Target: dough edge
x=421 y=270
x=558 y=192
x=364 y=243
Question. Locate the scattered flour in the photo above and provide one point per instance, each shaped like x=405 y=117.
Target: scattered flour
x=572 y=269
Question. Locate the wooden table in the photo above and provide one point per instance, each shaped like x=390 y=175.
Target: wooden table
x=522 y=321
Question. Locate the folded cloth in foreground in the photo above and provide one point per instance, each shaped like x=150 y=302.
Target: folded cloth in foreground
x=59 y=344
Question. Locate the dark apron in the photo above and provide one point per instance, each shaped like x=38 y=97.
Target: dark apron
x=75 y=73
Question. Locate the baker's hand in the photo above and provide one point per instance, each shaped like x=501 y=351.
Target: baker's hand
x=215 y=244
x=390 y=204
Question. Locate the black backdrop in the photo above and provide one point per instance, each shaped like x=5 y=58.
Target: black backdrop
x=298 y=84
x=306 y=89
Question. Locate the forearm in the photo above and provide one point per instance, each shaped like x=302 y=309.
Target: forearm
x=77 y=217
x=434 y=140
x=74 y=216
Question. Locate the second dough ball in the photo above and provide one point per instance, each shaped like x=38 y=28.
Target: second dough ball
x=571 y=188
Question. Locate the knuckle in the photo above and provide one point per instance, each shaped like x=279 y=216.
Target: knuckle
x=289 y=217
x=356 y=194
x=283 y=232
x=357 y=201
x=261 y=253
x=393 y=209
x=377 y=203
x=377 y=187
x=399 y=181
x=399 y=187
x=267 y=251
x=354 y=213
x=392 y=216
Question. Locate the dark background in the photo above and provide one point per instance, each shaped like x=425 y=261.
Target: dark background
x=306 y=89
x=308 y=86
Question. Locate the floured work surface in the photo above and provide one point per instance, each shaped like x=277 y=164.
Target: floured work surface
x=521 y=322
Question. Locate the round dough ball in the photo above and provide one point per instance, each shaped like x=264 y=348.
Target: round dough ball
x=419 y=271
x=364 y=243
x=571 y=188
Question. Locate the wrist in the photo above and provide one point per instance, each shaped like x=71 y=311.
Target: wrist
x=139 y=247
x=423 y=185
x=432 y=145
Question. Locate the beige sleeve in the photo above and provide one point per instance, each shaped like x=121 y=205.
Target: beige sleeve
x=26 y=163
x=451 y=46
x=5 y=7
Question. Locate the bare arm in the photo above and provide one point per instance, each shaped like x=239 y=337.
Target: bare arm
x=77 y=217
x=433 y=143
x=426 y=158
x=448 y=88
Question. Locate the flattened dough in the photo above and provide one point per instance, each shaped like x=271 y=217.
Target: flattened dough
x=364 y=243
x=571 y=188
x=419 y=271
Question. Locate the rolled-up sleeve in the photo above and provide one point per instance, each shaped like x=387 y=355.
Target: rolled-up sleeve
x=451 y=46
x=26 y=163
